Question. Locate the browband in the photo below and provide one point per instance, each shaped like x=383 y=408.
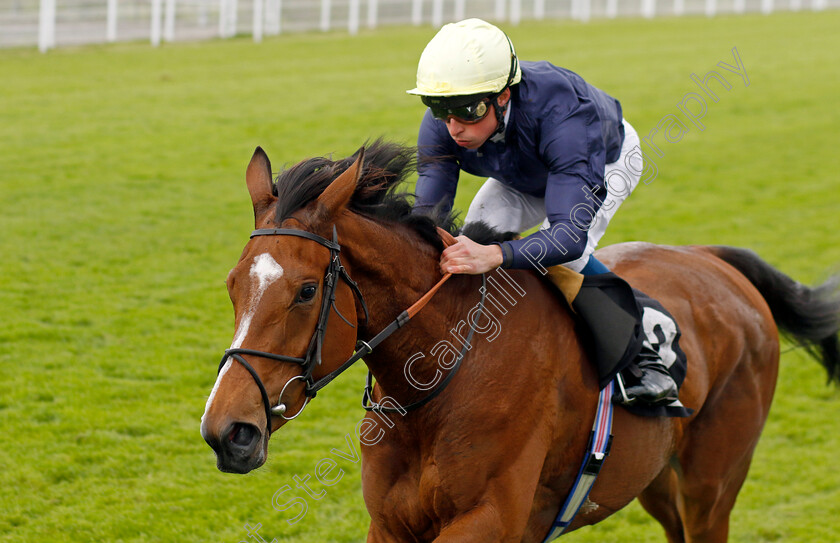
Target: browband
x=299 y=233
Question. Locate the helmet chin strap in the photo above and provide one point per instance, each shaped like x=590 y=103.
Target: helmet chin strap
x=500 y=110
x=500 y=114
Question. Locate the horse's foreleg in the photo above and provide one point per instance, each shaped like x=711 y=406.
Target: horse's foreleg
x=501 y=511
x=376 y=534
x=500 y=515
x=482 y=524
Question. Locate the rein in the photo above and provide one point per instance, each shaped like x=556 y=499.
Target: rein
x=367 y=399
x=336 y=270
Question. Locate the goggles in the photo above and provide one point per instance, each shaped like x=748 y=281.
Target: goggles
x=472 y=111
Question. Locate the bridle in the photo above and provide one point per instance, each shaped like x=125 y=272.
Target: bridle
x=312 y=358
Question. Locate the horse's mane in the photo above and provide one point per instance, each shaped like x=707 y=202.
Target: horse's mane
x=378 y=193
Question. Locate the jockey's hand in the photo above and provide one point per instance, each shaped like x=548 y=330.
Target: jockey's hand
x=467 y=256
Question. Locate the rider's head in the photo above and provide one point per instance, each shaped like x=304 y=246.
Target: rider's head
x=465 y=72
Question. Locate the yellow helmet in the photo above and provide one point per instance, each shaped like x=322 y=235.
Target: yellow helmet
x=466 y=58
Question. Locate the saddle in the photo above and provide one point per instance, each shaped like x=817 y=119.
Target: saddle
x=618 y=324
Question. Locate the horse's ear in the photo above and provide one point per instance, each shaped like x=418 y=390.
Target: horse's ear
x=258 y=178
x=336 y=196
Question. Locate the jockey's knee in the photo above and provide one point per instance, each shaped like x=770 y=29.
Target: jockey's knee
x=594 y=267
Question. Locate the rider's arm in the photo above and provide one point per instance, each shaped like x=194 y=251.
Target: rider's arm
x=437 y=168
x=573 y=150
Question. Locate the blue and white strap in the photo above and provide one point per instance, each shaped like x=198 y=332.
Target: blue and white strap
x=598 y=449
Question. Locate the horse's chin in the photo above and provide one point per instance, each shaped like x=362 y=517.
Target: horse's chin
x=227 y=463
x=238 y=466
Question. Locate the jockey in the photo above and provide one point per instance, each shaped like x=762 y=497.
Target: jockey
x=555 y=149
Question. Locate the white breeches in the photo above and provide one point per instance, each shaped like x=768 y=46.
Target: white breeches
x=508 y=210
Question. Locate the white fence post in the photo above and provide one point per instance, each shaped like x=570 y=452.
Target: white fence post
x=580 y=10
x=767 y=7
x=795 y=5
x=227 y=18
x=679 y=7
x=111 y=29
x=157 y=6
x=539 y=10
x=203 y=14
x=373 y=13
x=353 y=17
x=500 y=10
x=417 y=12
x=612 y=9
x=515 y=11
x=222 y=16
x=233 y=17
x=258 y=20
x=711 y=8
x=326 y=7
x=169 y=21
x=740 y=6
x=584 y=10
x=46 y=25
x=273 y=9
x=437 y=13
x=648 y=9
x=460 y=10
x=819 y=5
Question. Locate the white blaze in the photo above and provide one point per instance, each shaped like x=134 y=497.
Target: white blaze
x=264 y=271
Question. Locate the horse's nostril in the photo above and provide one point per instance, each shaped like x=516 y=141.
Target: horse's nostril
x=242 y=435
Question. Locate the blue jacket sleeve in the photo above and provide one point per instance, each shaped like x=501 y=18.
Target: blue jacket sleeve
x=437 y=167
x=572 y=148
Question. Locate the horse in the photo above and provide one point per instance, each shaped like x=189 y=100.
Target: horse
x=494 y=444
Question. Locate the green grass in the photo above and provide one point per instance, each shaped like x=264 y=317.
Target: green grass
x=124 y=206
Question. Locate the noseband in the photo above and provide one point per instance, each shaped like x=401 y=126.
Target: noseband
x=336 y=270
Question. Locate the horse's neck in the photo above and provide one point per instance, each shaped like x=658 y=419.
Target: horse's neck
x=394 y=269
x=391 y=266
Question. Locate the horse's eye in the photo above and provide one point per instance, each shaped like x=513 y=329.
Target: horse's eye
x=307 y=292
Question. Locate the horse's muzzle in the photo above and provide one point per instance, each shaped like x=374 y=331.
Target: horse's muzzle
x=239 y=449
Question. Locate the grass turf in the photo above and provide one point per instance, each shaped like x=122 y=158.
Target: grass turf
x=124 y=207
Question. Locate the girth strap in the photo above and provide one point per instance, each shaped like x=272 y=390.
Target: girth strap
x=597 y=450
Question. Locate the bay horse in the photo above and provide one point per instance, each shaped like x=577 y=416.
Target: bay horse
x=491 y=457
